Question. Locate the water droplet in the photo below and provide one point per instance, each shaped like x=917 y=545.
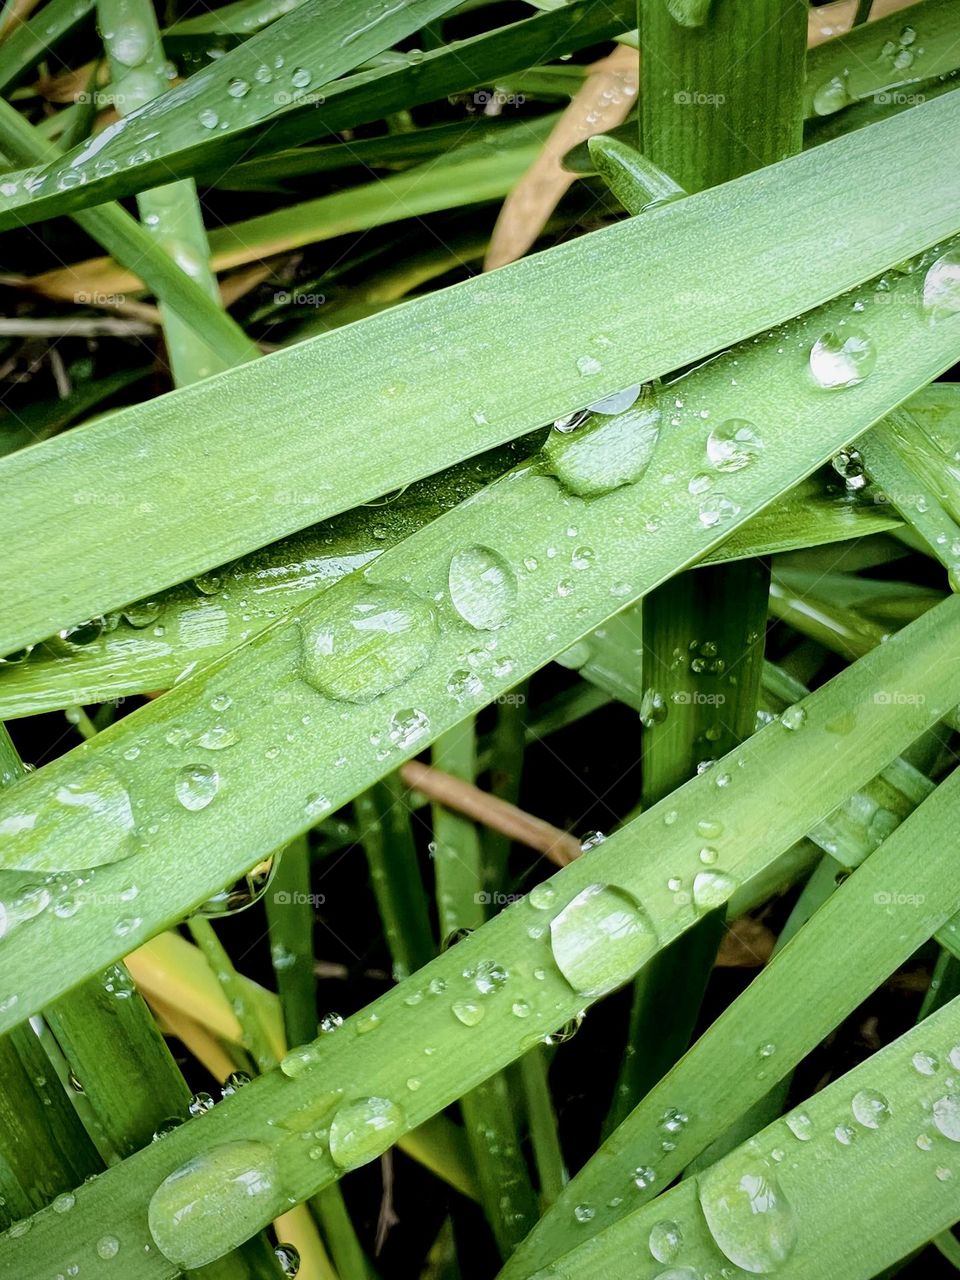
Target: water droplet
x=200 y=1211
x=717 y=510
x=941 y=286
x=591 y=840
x=712 y=889
x=234 y=1082
x=408 y=727
x=199 y=1103
x=300 y=78
x=196 y=785
x=108 y=1247
x=800 y=1125
x=928 y=1064
x=842 y=358
x=483 y=588
x=208 y=118
x=542 y=896
x=831 y=96
x=464 y=684
x=870 y=1108
x=217 y=738
x=665 y=1241
x=946 y=1116
x=64 y=1203
x=489 y=977
x=238 y=88
x=793 y=718
x=584 y=1213
x=600 y=939
x=588 y=366
x=469 y=1012
x=366 y=640
x=644 y=1177
x=144 y=613
x=288 y=1258
x=618 y=402
x=733 y=445
x=607 y=453
x=363 y=1130
x=750 y=1219
x=241 y=893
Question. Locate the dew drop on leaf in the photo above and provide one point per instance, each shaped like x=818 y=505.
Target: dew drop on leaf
x=362 y=641
x=483 y=588
x=363 y=1130
x=196 y=785
x=202 y=1209
x=941 y=286
x=749 y=1217
x=842 y=358
x=601 y=938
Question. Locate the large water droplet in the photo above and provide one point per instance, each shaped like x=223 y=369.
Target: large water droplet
x=215 y=1200
x=196 y=785
x=749 y=1217
x=601 y=938
x=483 y=588
x=946 y=1116
x=363 y=1130
x=362 y=641
x=97 y=807
x=941 y=286
x=733 y=445
x=607 y=452
x=842 y=358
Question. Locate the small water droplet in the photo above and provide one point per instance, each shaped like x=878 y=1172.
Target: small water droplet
x=833 y=95
x=108 y=1247
x=941 y=286
x=793 y=718
x=928 y=1064
x=469 y=1012
x=665 y=1240
x=712 y=889
x=870 y=1108
x=800 y=1125
x=946 y=1116
x=733 y=445
x=196 y=785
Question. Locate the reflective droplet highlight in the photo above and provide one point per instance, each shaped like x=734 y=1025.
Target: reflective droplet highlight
x=196 y=785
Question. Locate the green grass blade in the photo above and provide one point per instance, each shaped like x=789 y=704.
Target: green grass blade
x=207 y=514
x=546 y=608
x=886 y=910
x=171 y=213
x=24 y=46
x=274 y=1110
x=884 y=60
x=234 y=96
x=298 y=117
x=128 y=659
x=134 y=247
x=290 y=909
x=803 y=1228
x=706 y=118
x=488 y=1111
